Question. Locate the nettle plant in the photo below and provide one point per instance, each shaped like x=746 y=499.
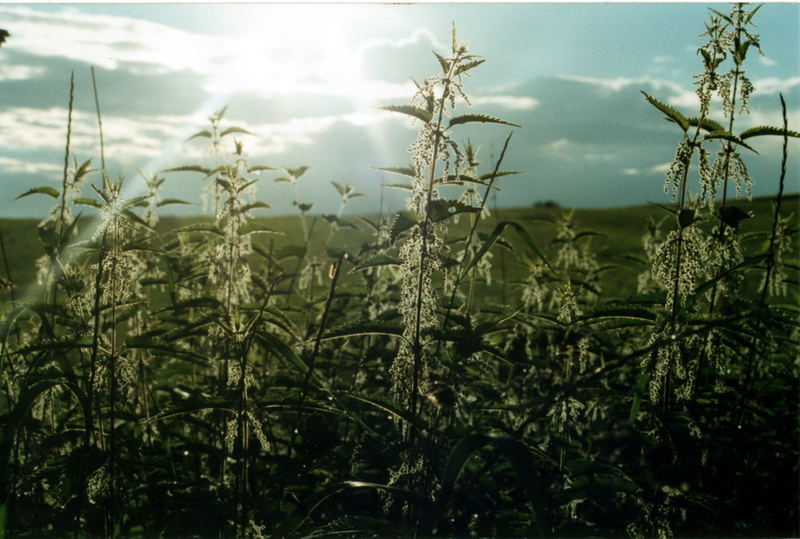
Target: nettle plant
x=691 y=255
x=436 y=160
x=358 y=375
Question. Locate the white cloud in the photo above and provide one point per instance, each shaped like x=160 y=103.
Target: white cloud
x=416 y=36
x=279 y=61
x=663 y=59
x=767 y=61
x=618 y=83
x=108 y=41
x=17 y=166
x=773 y=85
x=509 y=102
x=558 y=144
x=662 y=168
x=19 y=72
x=630 y=171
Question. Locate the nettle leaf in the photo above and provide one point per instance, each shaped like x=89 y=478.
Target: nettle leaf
x=168 y=201
x=733 y=215
x=82 y=170
x=136 y=219
x=493 y=237
x=44 y=190
x=403 y=186
x=404 y=220
x=199 y=227
x=296 y=172
x=672 y=114
x=232 y=130
x=440 y=210
x=500 y=174
x=478 y=118
x=764 y=130
x=402 y=171
x=470 y=65
x=137 y=202
x=255 y=206
x=725 y=135
x=190 y=168
x=88 y=202
x=205 y=133
x=259 y=168
x=686 y=217
x=416 y=112
x=461 y=179
x=708 y=124
x=444 y=62
x=359 y=328
x=340 y=188
x=253 y=228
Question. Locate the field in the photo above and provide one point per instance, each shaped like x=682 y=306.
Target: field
x=444 y=370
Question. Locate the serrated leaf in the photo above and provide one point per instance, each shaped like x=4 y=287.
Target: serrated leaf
x=479 y=118
x=255 y=206
x=136 y=219
x=463 y=68
x=444 y=62
x=686 y=217
x=340 y=188
x=724 y=135
x=402 y=171
x=733 y=215
x=158 y=347
x=671 y=113
x=232 y=130
x=205 y=133
x=402 y=222
x=500 y=174
x=441 y=210
x=492 y=238
x=168 y=201
x=44 y=190
x=251 y=228
x=766 y=130
x=137 y=202
x=404 y=186
x=88 y=202
x=199 y=227
x=259 y=168
x=189 y=168
x=416 y=112
x=359 y=328
x=708 y=124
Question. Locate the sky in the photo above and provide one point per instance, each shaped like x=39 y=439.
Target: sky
x=309 y=81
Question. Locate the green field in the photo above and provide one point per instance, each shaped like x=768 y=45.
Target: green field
x=619 y=232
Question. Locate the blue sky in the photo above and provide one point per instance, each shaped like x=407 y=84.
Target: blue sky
x=308 y=81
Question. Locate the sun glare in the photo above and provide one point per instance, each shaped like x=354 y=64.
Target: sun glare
x=292 y=50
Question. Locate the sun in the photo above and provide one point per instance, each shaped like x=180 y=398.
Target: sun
x=290 y=49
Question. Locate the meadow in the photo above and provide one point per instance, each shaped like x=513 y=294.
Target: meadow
x=452 y=369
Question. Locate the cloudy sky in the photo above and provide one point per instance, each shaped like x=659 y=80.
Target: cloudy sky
x=308 y=81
